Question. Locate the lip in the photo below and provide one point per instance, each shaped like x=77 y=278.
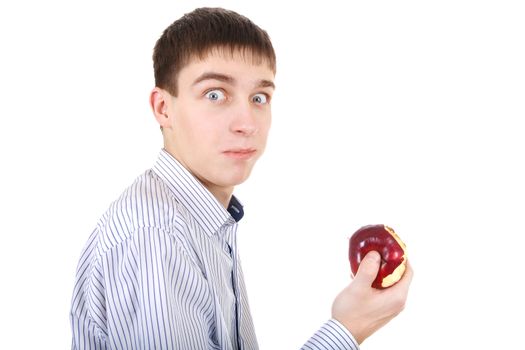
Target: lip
x=240 y=153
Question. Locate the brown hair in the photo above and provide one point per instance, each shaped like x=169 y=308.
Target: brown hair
x=197 y=33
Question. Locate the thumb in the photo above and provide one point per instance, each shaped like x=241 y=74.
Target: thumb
x=368 y=269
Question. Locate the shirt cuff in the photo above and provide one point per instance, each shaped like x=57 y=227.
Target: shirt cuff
x=331 y=336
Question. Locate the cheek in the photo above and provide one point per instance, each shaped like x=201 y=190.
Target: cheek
x=265 y=128
x=263 y=117
x=268 y=122
x=196 y=126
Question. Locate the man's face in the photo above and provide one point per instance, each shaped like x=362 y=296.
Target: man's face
x=219 y=121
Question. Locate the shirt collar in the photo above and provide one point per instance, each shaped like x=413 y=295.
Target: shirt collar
x=196 y=198
x=235 y=208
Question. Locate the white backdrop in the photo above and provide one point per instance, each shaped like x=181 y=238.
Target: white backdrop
x=398 y=112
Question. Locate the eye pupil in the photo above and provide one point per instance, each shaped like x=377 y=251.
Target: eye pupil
x=259 y=98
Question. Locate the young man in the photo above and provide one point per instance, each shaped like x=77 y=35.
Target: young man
x=161 y=270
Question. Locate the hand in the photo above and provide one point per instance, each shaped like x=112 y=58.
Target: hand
x=363 y=309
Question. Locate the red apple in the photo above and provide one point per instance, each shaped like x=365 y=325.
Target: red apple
x=387 y=243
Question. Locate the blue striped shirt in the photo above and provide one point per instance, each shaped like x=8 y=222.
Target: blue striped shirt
x=161 y=270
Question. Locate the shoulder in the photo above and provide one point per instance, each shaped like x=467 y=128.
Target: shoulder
x=147 y=204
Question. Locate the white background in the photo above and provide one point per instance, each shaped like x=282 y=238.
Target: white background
x=398 y=112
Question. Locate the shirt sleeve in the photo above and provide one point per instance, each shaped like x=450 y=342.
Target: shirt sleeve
x=87 y=315
x=331 y=336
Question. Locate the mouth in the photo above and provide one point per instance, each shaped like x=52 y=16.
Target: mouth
x=240 y=153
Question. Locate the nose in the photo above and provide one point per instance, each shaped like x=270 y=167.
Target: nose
x=244 y=121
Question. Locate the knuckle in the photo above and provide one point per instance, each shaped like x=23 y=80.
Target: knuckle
x=398 y=304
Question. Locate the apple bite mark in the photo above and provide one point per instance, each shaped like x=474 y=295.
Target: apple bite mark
x=396 y=275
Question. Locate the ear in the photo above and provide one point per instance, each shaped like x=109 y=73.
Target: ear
x=159 y=101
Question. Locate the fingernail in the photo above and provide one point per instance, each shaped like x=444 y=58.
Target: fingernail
x=374 y=256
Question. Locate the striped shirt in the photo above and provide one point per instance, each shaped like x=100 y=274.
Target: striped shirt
x=161 y=270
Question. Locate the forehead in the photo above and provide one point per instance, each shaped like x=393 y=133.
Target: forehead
x=241 y=64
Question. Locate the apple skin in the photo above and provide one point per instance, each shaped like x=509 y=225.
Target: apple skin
x=387 y=243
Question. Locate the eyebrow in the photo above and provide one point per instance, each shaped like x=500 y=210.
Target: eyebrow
x=230 y=80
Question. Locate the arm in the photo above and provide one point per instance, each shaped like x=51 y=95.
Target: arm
x=121 y=298
x=87 y=315
x=332 y=335
x=86 y=334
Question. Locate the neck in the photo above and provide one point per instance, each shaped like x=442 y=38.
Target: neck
x=223 y=195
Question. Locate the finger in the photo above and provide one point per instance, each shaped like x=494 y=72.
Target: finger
x=368 y=269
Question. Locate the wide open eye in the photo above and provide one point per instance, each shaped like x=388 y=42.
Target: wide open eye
x=260 y=98
x=215 y=95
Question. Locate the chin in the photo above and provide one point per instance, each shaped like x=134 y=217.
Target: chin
x=237 y=174
x=227 y=175
x=236 y=180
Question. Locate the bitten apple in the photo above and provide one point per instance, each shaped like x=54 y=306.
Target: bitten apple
x=387 y=243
